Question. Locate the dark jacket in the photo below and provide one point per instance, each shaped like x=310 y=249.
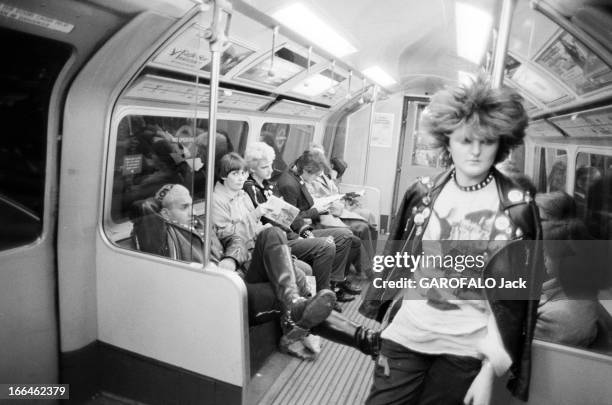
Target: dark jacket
x=293 y=189
x=519 y=256
x=259 y=194
x=154 y=234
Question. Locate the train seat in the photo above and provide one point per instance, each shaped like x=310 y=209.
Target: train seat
x=264 y=329
x=603 y=340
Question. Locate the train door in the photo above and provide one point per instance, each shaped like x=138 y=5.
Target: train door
x=29 y=111
x=416 y=156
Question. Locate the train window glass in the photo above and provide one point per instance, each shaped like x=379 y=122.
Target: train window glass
x=593 y=193
x=154 y=151
x=426 y=151
x=27 y=75
x=552 y=169
x=574 y=308
x=288 y=141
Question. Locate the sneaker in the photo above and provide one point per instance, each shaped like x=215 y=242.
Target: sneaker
x=312 y=343
x=295 y=348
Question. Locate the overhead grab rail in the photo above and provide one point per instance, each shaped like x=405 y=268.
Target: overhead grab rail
x=253 y=13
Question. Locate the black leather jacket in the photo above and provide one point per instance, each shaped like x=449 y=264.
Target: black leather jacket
x=519 y=256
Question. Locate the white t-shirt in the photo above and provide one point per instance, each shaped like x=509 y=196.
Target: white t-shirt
x=454 y=321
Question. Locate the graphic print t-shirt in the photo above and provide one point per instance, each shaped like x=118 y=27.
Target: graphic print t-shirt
x=449 y=320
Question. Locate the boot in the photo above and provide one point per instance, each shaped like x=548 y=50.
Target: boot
x=339 y=329
x=300 y=314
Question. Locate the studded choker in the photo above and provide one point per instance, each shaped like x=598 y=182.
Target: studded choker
x=474 y=187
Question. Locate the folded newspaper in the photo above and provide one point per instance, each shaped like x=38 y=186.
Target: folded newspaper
x=281 y=212
x=323 y=201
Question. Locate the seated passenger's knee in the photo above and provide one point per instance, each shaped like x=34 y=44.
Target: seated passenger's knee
x=273 y=234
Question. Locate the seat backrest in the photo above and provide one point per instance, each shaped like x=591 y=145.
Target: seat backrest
x=149 y=233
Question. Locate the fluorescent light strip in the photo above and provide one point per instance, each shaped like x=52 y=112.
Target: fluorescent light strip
x=304 y=22
x=314 y=85
x=465 y=77
x=378 y=75
x=473 y=31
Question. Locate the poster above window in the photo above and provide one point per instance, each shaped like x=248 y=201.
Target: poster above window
x=538 y=85
x=190 y=51
x=187 y=51
x=231 y=57
x=575 y=65
x=287 y=64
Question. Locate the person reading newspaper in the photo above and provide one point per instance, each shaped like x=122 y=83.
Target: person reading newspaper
x=259 y=157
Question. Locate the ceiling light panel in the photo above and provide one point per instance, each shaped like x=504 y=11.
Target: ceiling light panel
x=304 y=22
x=473 y=31
x=378 y=75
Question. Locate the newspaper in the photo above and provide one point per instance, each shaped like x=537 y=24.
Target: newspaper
x=281 y=212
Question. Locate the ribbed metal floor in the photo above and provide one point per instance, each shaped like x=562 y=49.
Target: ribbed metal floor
x=340 y=375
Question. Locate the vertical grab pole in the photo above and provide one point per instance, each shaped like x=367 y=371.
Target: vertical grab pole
x=216 y=36
x=501 y=47
x=370 y=130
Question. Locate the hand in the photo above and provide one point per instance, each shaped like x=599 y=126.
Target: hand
x=479 y=392
x=336 y=208
x=262 y=209
x=321 y=208
x=227 y=264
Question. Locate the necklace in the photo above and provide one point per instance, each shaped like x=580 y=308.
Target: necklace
x=474 y=187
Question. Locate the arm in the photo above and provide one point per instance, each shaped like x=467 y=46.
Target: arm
x=479 y=392
x=228 y=225
x=291 y=195
x=233 y=252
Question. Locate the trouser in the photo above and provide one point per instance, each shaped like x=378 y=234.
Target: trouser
x=319 y=253
x=403 y=376
x=343 y=241
x=362 y=258
x=271 y=261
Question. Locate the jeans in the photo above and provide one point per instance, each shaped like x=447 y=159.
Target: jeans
x=319 y=254
x=403 y=376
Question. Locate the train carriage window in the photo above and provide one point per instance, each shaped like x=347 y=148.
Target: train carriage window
x=574 y=308
x=288 y=141
x=593 y=193
x=157 y=151
x=27 y=74
x=552 y=169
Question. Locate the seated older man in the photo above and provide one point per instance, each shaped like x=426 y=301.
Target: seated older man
x=171 y=231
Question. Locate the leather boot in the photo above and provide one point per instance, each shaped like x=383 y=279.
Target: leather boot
x=300 y=314
x=339 y=329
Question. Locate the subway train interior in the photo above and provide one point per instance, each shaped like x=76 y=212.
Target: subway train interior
x=91 y=88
